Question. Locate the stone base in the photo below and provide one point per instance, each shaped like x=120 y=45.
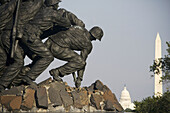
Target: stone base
x=53 y=96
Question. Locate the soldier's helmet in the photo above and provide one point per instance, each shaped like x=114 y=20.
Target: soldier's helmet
x=51 y=2
x=97 y=32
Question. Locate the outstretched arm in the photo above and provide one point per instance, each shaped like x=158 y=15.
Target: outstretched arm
x=84 y=54
x=72 y=17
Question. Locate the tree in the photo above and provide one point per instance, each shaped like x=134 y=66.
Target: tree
x=157 y=104
x=164 y=63
x=129 y=110
x=154 y=104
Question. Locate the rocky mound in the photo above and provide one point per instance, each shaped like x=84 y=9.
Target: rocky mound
x=53 y=96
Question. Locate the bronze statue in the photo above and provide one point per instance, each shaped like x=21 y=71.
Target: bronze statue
x=27 y=11
x=62 y=46
x=30 y=21
x=48 y=17
x=6 y=14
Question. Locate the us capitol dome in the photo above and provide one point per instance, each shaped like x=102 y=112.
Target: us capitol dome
x=125 y=100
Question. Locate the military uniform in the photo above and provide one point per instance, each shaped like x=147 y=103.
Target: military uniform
x=62 y=46
x=6 y=14
x=30 y=32
x=27 y=11
x=45 y=19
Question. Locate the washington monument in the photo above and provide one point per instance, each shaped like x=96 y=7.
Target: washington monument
x=158 y=83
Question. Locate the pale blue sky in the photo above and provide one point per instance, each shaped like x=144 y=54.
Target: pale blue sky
x=127 y=48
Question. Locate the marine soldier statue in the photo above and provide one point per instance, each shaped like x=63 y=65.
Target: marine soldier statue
x=62 y=46
x=48 y=17
x=36 y=20
x=27 y=10
x=6 y=14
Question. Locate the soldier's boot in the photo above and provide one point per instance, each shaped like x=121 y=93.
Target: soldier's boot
x=18 y=80
x=55 y=74
x=28 y=81
x=78 y=83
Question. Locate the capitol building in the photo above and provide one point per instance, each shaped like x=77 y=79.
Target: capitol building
x=125 y=100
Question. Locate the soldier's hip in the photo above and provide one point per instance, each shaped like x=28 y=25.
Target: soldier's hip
x=62 y=53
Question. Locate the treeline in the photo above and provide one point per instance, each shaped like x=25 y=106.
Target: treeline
x=157 y=104
x=154 y=104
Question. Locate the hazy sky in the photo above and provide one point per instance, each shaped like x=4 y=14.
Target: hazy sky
x=127 y=48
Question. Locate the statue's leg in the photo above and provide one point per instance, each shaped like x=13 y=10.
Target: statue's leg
x=3 y=60
x=74 y=60
x=18 y=61
x=13 y=69
x=18 y=80
x=43 y=56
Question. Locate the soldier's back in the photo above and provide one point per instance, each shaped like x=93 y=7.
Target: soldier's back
x=45 y=18
x=76 y=38
x=28 y=10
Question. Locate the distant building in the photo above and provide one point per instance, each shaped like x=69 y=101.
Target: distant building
x=125 y=100
x=158 y=54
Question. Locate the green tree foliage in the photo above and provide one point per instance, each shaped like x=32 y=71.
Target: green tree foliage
x=157 y=104
x=164 y=63
x=154 y=104
x=129 y=110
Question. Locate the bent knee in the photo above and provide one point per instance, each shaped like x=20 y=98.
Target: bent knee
x=49 y=57
x=19 y=63
x=82 y=63
x=19 y=60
